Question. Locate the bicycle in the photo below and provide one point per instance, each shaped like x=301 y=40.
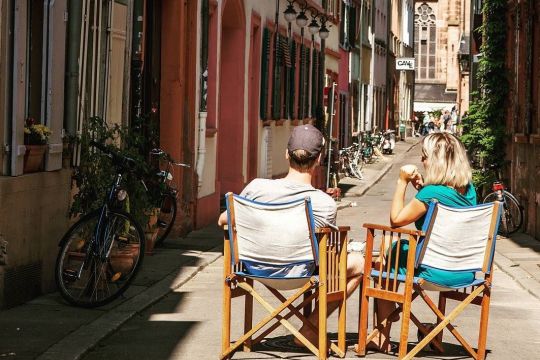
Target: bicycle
x=350 y=162
x=512 y=215
x=102 y=252
x=168 y=195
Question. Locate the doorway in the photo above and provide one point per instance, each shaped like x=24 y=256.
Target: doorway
x=231 y=99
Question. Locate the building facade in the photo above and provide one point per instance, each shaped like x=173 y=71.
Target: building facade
x=440 y=27
x=62 y=62
x=523 y=108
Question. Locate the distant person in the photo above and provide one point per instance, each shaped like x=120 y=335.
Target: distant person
x=446 y=120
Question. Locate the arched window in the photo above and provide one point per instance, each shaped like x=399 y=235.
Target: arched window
x=425 y=33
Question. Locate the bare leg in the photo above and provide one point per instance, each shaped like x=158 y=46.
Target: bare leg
x=355 y=267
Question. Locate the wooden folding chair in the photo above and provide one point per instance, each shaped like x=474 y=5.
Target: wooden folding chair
x=455 y=239
x=262 y=235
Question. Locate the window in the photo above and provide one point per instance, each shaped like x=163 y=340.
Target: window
x=289 y=78
x=425 y=37
x=348 y=26
x=37 y=90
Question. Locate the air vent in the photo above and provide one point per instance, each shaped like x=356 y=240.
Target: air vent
x=22 y=283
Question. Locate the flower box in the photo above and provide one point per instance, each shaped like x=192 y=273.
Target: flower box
x=34 y=158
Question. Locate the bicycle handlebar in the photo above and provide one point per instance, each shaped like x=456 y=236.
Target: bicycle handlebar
x=160 y=152
x=118 y=159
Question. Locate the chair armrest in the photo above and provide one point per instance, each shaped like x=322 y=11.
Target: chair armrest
x=393 y=229
x=328 y=229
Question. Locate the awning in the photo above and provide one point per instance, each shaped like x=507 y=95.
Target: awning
x=432 y=106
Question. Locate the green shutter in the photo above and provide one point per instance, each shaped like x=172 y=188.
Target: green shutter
x=301 y=83
x=314 y=81
x=265 y=62
x=307 y=65
x=278 y=70
x=291 y=81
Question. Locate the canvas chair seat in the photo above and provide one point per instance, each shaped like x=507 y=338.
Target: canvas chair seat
x=452 y=239
x=425 y=284
x=277 y=245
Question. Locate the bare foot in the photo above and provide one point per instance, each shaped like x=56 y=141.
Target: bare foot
x=386 y=347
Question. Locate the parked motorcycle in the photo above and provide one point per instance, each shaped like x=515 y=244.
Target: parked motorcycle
x=389 y=141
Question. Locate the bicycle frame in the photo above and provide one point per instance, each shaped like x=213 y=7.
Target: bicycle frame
x=103 y=250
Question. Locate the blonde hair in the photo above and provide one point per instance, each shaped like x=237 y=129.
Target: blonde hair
x=447 y=162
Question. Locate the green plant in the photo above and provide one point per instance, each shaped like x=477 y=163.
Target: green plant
x=436 y=113
x=35 y=133
x=484 y=128
x=95 y=172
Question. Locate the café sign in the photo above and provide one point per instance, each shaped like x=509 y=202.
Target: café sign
x=405 y=64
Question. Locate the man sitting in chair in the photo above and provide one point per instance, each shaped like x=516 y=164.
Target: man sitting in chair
x=304 y=151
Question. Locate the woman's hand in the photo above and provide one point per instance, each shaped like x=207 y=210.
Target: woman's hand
x=409 y=173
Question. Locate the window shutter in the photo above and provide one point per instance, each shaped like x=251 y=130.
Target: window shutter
x=301 y=83
x=352 y=27
x=314 y=81
x=20 y=33
x=278 y=70
x=307 y=64
x=265 y=62
x=291 y=80
x=56 y=39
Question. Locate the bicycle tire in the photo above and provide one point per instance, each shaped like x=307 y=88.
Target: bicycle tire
x=357 y=173
x=100 y=281
x=166 y=218
x=512 y=214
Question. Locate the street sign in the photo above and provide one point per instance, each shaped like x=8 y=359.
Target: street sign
x=405 y=64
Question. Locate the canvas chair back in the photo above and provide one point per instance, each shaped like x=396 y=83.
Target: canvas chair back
x=271 y=233
x=459 y=239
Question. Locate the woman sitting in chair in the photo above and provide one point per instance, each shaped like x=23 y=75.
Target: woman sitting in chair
x=447 y=179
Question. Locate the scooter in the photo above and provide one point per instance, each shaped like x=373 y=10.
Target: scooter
x=389 y=141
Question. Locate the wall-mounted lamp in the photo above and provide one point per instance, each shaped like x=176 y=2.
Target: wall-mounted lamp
x=302 y=20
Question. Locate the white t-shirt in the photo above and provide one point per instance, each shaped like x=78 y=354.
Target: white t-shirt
x=284 y=190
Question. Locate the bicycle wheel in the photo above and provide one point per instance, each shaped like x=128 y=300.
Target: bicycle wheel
x=355 y=171
x=92 y=271
x=512 y=215
x=167 y=216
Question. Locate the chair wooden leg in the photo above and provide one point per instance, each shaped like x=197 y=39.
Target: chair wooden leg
x=484 y=316
x=226 y=320
x=406 y=316
x=342 y=325
x=442 y=309
x=363 y=318
x=451 y=316
x=248 y=317
x=323 y=310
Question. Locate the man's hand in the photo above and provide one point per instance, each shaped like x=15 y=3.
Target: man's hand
x=222 y=219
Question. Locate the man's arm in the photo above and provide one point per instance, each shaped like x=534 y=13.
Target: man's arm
x=222 y=219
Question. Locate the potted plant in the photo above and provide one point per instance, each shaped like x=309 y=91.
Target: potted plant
x=36 y=137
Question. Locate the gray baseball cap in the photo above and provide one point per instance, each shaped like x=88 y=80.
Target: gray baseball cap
x=306 y=137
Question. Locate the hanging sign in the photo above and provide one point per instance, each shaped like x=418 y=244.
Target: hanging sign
x=405 y=64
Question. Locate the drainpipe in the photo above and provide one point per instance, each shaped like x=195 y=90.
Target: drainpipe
x=201 y=149
x=72 y=75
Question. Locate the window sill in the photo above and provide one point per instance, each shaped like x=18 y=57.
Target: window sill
x=211 y=132
x=535 y=139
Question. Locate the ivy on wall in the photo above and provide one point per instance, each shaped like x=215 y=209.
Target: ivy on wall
x=484 y=128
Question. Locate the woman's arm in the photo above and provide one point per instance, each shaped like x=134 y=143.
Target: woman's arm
x=401 y=214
